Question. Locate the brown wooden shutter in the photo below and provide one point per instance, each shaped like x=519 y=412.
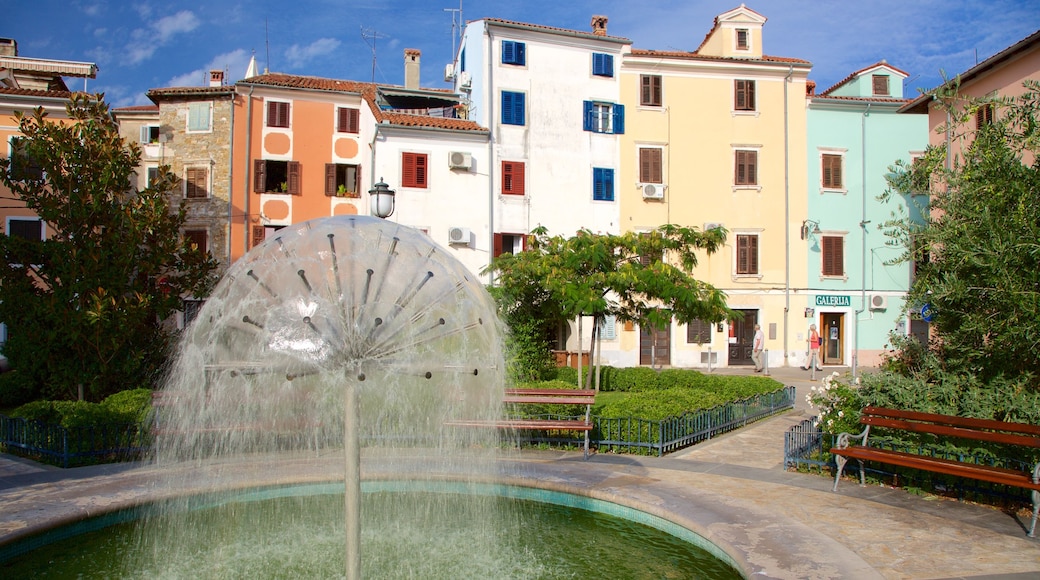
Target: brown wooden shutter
x=420 y=170
x=698 y=332
x=746 y=170
x=259 y=176
x=330 y=179
x=739 y=171
x=744 y=95
x=880 y=84
x=512 y=178
x=277 y=114
x=198 y=238
x=498 y=245
x=650 y=166
x=259 y=233
x=832 y=171
x=408 y=169
x=294 y=183
x=984 y=116
x=650 y=93
x=349 y=120
x=747 y=254
x=833 y=256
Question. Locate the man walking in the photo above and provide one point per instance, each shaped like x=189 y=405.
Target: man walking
x=756 y=348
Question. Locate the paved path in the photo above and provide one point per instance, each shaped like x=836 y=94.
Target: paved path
x=732 y=490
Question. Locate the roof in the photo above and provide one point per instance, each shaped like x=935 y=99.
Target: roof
x=980 y=69
x=369 y=93
x=189 y=92
x=852 y=76
x=695 y=56
x=35 y=93
x=889 y=100
x=138 y=109
x=715 y=26
x=554 y=30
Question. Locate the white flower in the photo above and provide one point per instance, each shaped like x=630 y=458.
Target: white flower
x=841 y=414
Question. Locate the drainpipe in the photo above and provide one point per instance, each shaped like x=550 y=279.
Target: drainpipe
x=787 y=214
x=231 y=174
x=248 y=174
x=863 y=237
x=490 y=100
x=372 y=171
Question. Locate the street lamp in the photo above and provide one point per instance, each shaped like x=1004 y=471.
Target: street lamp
x=806 y=229
x=381 y=199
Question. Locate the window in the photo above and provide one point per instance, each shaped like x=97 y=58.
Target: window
x=650 y=93
x=199 y=116
x=743 y=95
x=509 y=244
x=831 y=177
x=602 y=64
x=650 y=167
x=747 y=254
x=833 y=255
x=984 y=116
x=278 y=114
x=743 y=39
x=348 y=120
x=26 y=228
x=512 y=178
x=880 y=85
x=277 y=177
x=152 y=174
x=746 y=168
x=514 y=53
x=513 y=108
x=608 y=327
x=602 y=184
x=196 y=182
x=197 y=239
x=698 y=332
x=342 y=180
x=604 y=118
x=413 y=170
x=23 y=166
x=150 y=134
x=462 y=60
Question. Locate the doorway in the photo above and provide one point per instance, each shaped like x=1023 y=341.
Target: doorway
x=832 y=349
x=654 y=347
x=742 y=338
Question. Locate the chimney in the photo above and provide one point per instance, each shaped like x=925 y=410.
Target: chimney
x=216 y=78
x=411 y=68
x=8 y=47
x=599 y=25
x=810 y=88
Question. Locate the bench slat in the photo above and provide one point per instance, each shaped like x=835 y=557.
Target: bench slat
x=553 y=392
x=949 y=431
x=530 y=424
x=990 y=424
x=940 y=465
x=521 y=399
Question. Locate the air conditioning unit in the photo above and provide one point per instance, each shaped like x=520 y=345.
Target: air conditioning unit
x=460 y=160
x=878 y=302
x=653 y=191
x=465 y=82
x=712 y=225
x=458 y=236
x=449 y=72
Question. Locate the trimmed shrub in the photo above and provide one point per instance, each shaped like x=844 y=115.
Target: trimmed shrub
x=126 y=407
x=131 y=406
x=634 y=379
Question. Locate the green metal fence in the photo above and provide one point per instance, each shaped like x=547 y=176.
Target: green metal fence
x=69 y=447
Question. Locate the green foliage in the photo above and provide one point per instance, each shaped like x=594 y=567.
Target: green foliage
x=85 y=306
x=569 y=374
x=839 y=403
x=634 y=379
x=126 y=407
x=978 y=250
x=16 y=389
x=658 y=404
x=132 y=406
x=527 y=352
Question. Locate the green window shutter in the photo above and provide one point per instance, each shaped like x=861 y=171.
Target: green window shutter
x=198 y=116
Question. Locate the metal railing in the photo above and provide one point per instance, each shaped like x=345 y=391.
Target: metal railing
x=628 y=434
x=69 y=447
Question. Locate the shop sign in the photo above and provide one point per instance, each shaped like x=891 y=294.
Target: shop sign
x=833 y=300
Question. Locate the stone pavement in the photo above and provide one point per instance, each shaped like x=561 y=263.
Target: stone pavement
x=732 y=490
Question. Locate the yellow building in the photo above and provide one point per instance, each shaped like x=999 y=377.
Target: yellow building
x=716 y=137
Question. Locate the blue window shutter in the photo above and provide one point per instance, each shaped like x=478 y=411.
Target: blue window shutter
x=608 y=185
x=608 y=327
x=519 y=114
x=462 y=60
x=597 y=182
x=508 y=52
x=619 y=119
x=521 y=54
x=608 y=65
x=602 y=184
x=512 y=108
x=589 y=122
x=507 y=107
x=602 y=64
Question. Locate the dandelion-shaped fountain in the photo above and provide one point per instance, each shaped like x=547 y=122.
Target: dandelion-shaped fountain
x=344 y=332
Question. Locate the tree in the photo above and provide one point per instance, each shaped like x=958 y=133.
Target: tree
x=637 y=277
x=85 y=306
x=977 y=252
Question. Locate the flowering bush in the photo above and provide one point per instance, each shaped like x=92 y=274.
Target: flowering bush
x=839 y=404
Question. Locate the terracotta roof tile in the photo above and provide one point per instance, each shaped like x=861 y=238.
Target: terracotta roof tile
x=553 y=29
x=870 y=99
x=715 y=25
x=190 y=92
x=694 y=56
x=138 y=108
x=35 y=93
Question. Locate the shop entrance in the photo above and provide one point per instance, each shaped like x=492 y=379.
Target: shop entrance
x=832 y=349
x=742 y=338
x=654 y=347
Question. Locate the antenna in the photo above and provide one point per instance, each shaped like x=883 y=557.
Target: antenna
x=267 y=42
x=370 y=36
x=455 y=12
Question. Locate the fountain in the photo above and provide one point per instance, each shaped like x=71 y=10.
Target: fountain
x=332 y=334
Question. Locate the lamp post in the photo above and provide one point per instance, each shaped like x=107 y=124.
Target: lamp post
x=809 y=227
x=381 y=199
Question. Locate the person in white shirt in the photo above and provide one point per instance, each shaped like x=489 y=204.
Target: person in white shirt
x=757 y=347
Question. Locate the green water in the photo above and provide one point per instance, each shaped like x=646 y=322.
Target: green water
x=302 y=537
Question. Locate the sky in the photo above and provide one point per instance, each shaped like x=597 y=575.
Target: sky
x=139 y=45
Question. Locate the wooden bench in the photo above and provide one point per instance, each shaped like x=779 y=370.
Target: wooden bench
x=1020 y=434
x=542 y=396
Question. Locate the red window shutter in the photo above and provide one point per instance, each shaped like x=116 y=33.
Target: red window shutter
x=408 y=169
x=349 y=120
x=330 y=179
x=259 y=176
x=833 y=256
x=498 y=245
x=294 y=184
x=512 y=178
x=420 y=170
x=259 y=233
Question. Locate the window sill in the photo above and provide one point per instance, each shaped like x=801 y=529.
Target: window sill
x=747 y=188
x=745 y=113
x=826 y=190
x=656 y=108
x=747 y=277
x=842 y=278
x=344 y=195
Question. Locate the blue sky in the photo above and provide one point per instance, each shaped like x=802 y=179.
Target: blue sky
x=142 y=45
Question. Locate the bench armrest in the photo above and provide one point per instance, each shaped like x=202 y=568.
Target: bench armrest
x=843 y=438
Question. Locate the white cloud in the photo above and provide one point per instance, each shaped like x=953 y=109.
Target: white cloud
x=145 y=41
x=298 y=55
